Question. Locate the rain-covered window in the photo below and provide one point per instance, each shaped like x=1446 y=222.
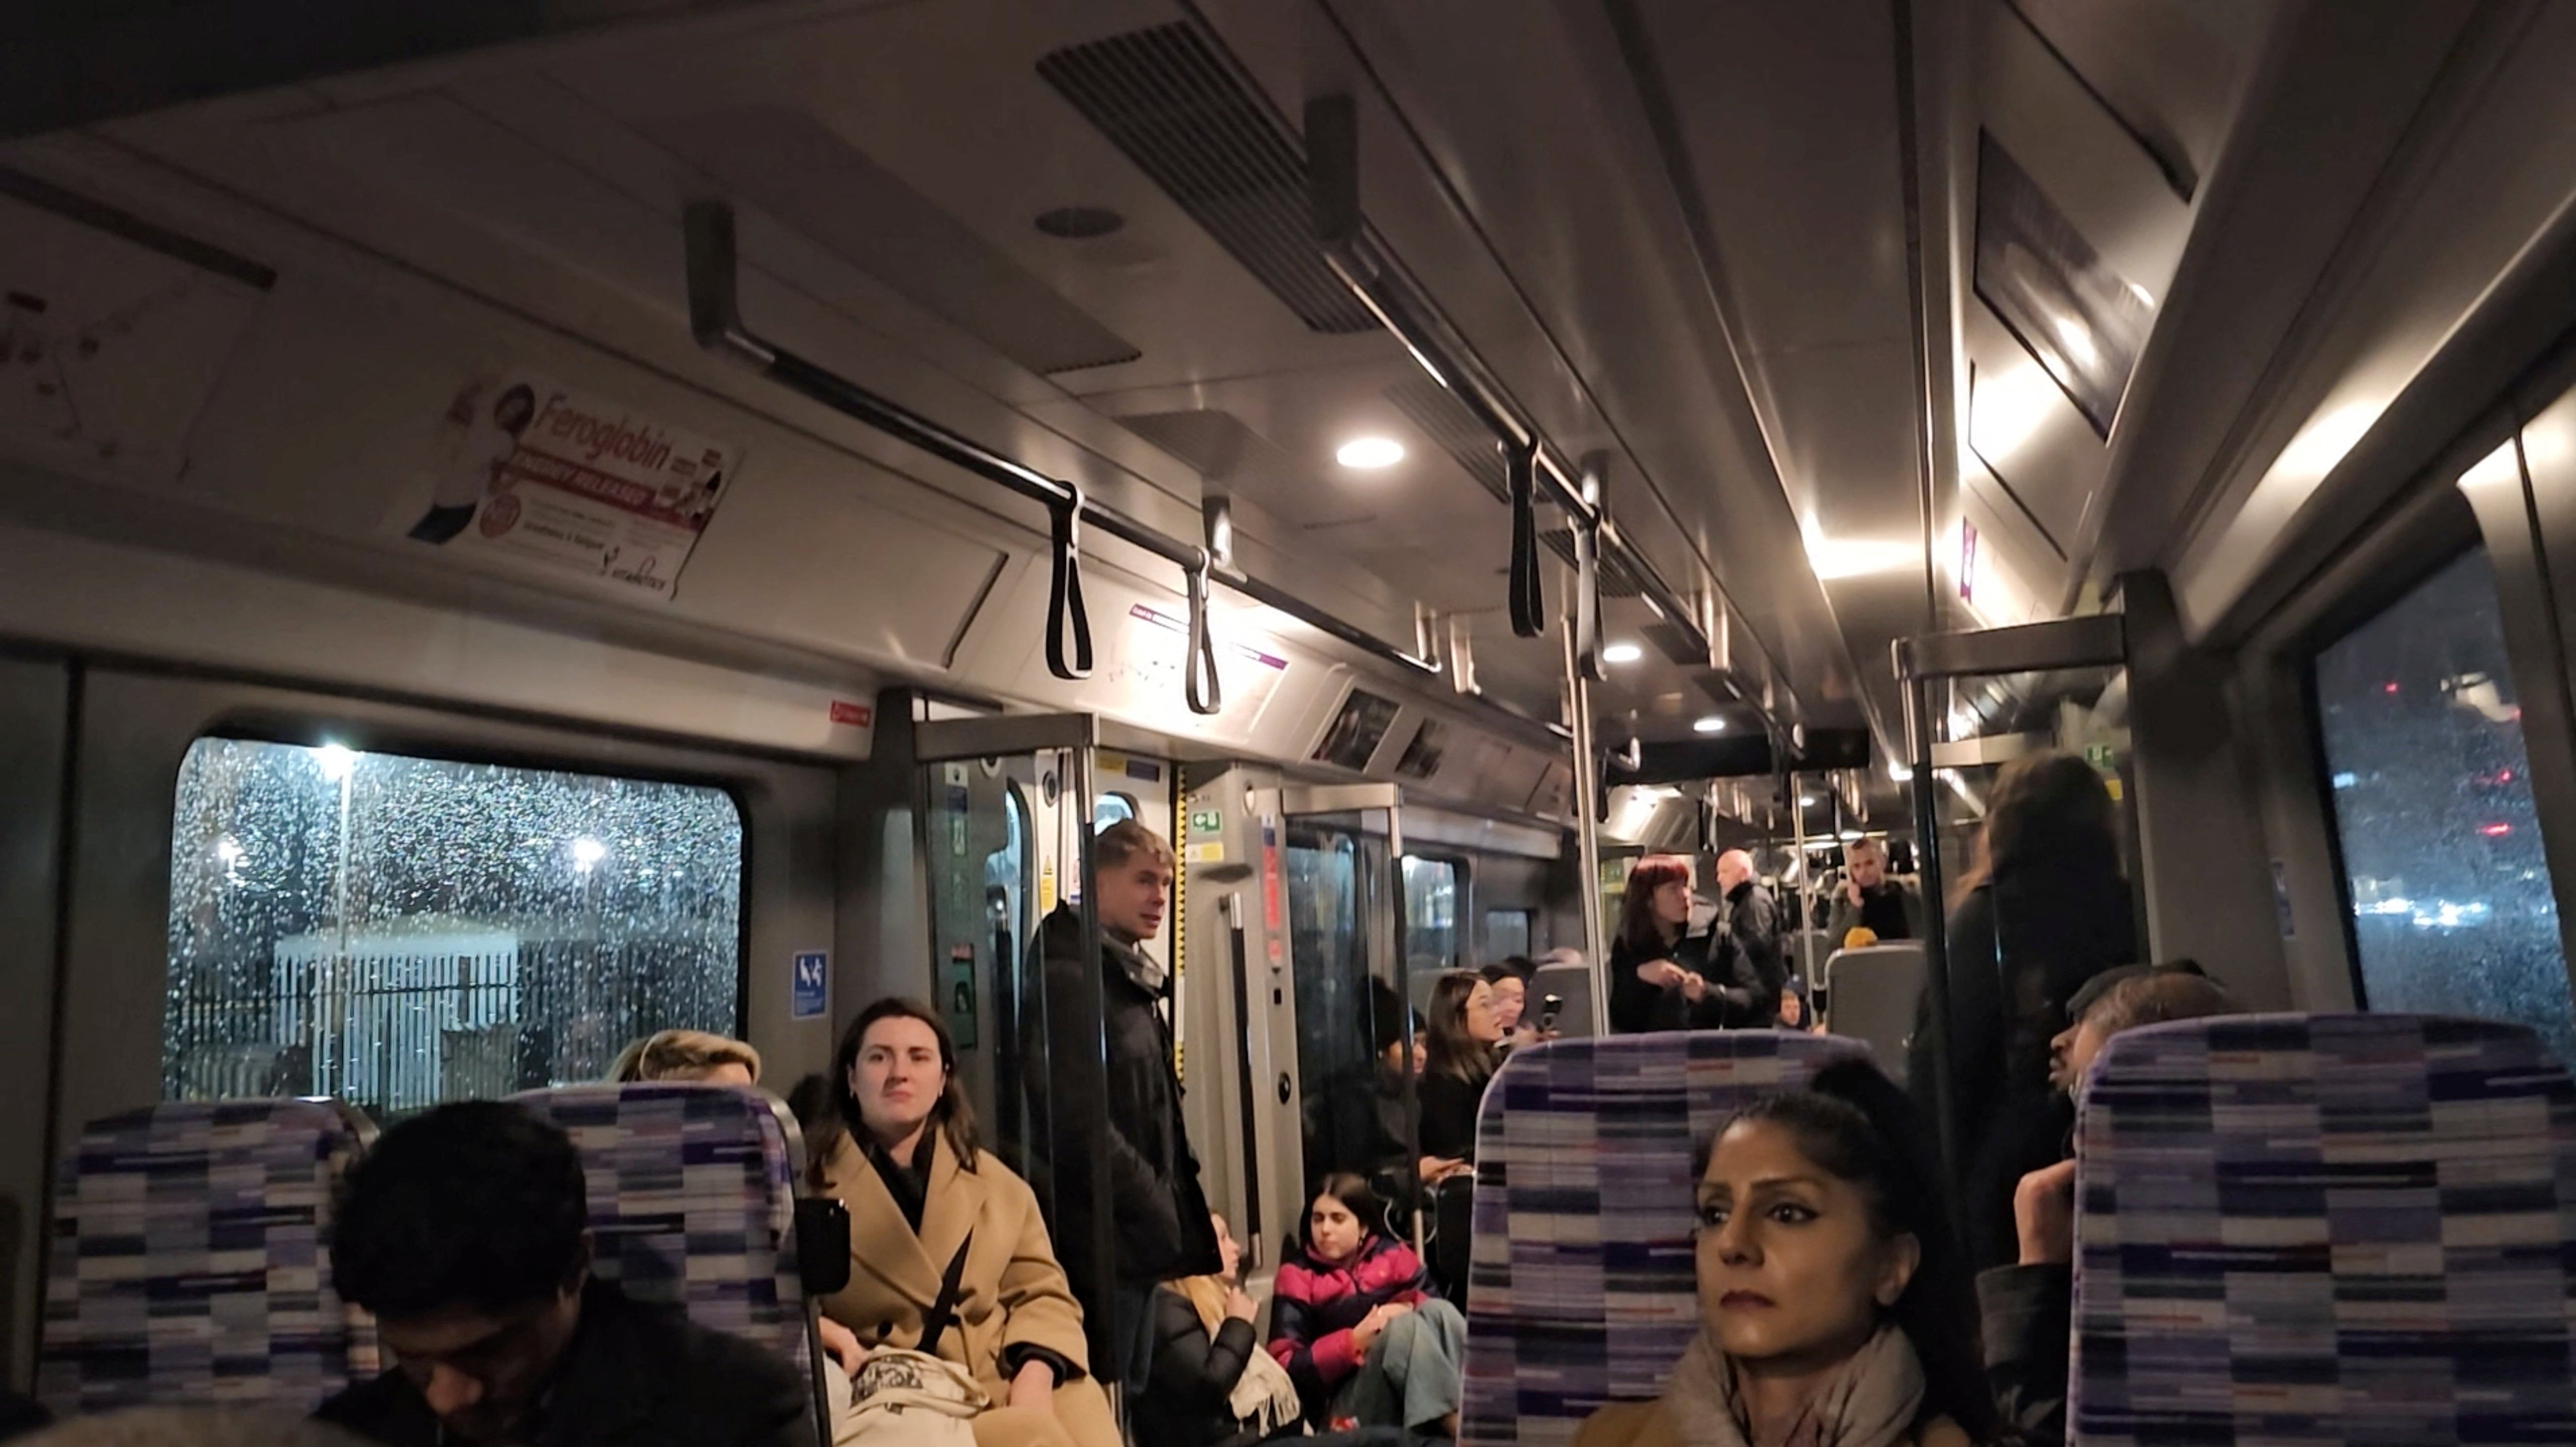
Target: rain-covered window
x=1430 y=915
x=2452 y=910
x=399 y=931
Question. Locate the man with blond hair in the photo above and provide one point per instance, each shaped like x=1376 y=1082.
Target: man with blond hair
x=1161 y=1230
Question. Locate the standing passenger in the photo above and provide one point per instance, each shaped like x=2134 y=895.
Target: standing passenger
x=1160 y=1215
x=1655 y=962
x=1754 y=969
x=2042 y=910
x=1891 y=909
x=929 y=1207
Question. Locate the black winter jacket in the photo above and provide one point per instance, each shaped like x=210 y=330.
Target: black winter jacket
x=1193 y=1375
x=634 y=1376
x=1161 y=1228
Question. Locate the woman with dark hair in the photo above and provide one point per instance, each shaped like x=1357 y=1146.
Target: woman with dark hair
x=2041 y=909
x=1835 y=1307
x=1657 y=967
x=1355 y=1325
x=928 y=1206
x=1463 y=1050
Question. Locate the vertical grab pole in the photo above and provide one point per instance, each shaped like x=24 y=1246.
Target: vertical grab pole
x=1094 y=1024
x=1936 y=942
x=1806 y=887
x=1587 y=826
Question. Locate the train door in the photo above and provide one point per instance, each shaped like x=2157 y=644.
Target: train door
x=1346 y=889
x=1011 y=807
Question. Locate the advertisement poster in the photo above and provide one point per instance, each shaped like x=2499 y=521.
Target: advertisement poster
x=568 y=482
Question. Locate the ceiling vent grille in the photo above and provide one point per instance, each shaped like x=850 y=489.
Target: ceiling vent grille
x=1167 y=100
x=1445 y=420
x=1618 y=580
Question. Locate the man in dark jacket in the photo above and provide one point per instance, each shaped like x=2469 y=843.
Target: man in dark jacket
x=1891 y=909
x=1752 y=967
x=466 y=1232
x=1134 y=1132
x=2028 y=1307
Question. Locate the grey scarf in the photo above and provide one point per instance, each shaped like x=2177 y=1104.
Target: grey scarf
x=1139 y=967
x=1872 y=1402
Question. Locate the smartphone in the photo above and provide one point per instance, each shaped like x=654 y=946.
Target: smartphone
x=1547 y=1012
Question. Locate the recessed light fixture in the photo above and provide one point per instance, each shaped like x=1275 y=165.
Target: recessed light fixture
x=1709 y=725
x=1622 y=653
x=1367 y=454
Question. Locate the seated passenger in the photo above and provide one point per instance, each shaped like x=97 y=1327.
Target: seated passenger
x=1834 y=1304
x=1212 y=1384
x=927 y=1205
x=2029 y=1306
x=466 y=1232
x=687 y=1055
x=1364 y=1340
x=1459 y=1064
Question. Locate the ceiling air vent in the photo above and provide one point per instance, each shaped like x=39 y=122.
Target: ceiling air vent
x=1165 y=98
x=1445 y=420
x=1618 y=580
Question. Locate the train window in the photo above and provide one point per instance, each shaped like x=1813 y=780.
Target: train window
x=400 y=931
x=2423 y=748
x=1507 y=933
x=1108 y=809
x=1430 y=914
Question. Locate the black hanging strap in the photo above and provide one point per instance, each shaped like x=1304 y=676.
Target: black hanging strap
x=1065 y=613
x=1529 y=606
x=943 y=1312
x=1205 y=690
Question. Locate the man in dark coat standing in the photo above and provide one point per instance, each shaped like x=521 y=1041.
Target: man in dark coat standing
x=1130 y=1124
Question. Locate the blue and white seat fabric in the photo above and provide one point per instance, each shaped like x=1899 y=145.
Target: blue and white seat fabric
x=1581 y=1289
x=190 y=1260
x=692 y=1202
x=2327 y=1229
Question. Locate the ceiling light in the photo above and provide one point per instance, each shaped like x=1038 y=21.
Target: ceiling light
x=1832 y=558
x=2004 y=410
x=1709 y=725
x=1367 y=454
x=1622 y=653
x=2144 y=296
x=336 y=761
x=1901 y=773
x=1806 y=801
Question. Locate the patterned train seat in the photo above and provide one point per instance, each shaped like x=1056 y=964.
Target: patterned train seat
x=2327 y=1228
x=692 y=1202
x=190 y=1261
x=1580 y=1284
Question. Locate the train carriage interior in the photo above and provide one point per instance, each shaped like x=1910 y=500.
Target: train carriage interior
x=527 y=526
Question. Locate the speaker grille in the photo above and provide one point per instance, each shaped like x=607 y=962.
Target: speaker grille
x=1164 y=97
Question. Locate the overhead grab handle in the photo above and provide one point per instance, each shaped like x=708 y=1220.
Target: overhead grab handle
x=1068 y=621
x=1529 y=606
x=1205 y=690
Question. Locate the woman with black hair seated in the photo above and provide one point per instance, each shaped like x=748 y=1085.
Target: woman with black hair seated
x=1835 y=1306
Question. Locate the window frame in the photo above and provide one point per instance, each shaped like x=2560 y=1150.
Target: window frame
x=1463 y=910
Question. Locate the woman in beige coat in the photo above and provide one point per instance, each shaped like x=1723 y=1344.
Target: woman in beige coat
x=918 y=1189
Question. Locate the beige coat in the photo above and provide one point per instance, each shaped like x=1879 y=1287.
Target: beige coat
x=1012 y=1291
x=1650 y=1424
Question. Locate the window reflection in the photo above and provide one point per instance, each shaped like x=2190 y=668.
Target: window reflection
x=2451 y=901
x=400 y=931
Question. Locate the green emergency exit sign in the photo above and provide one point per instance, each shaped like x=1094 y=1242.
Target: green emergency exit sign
x=1207 y=821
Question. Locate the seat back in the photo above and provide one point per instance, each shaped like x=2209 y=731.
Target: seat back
x=1573 y=985
x=692 y=1202
x=190 y=1261
x=2325 y=1228
x=1581 y=1288
x=1871 y=994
